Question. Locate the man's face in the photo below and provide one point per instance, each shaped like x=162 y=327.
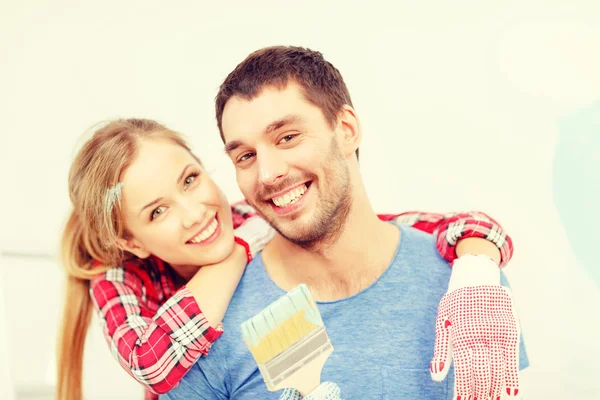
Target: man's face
x=288 y=162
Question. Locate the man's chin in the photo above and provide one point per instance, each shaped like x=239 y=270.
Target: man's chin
x=298 y=228
x=303 y=235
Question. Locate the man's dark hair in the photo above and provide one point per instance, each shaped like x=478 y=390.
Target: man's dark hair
x=321 y=82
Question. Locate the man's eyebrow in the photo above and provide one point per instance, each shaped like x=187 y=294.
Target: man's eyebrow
x=273 y=126
x=280 y=123
x=231 y=146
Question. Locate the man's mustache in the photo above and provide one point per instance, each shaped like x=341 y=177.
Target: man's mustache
x=265 y=192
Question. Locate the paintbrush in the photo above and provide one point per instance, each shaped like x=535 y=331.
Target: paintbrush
x=289 y=342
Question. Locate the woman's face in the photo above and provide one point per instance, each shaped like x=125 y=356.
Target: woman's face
x=172 y=208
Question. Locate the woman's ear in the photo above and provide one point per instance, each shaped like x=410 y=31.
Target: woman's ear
x=349 y=127
x=133 y=246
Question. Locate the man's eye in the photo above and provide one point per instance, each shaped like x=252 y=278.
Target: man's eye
x=245 y=156
x=287 y=138
x=157 y=212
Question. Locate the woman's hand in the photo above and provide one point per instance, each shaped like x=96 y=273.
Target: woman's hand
x=213 y=285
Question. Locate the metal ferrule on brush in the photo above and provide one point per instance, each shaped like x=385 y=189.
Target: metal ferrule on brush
x=295 y=357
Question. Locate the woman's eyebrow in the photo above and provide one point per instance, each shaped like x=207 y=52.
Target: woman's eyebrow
x=181 y=176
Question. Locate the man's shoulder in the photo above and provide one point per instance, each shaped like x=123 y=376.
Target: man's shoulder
x=414 y=233
x=416 y=242
x=255 y=291
x=211 y=375
x=418 y=261
x=255 y=278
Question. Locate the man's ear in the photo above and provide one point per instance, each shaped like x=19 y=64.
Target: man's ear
x=133 y=246
x=351 y=132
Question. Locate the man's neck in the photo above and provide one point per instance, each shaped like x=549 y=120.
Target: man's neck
x=364 y=249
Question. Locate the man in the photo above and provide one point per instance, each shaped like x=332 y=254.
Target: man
x=288 y=125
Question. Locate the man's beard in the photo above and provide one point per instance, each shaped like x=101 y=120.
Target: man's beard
x=332 y=208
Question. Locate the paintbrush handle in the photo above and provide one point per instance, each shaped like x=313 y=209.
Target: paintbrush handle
x=307 y=378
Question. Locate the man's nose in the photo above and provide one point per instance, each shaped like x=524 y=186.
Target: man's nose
x=271 y=168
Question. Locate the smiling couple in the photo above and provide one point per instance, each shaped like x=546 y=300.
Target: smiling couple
x=173 y=270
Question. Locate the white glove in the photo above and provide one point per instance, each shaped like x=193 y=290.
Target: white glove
x=256 y=232
x=477 y=328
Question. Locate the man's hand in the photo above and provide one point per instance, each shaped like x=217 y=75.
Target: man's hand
x=478 y=328
x=325 y=391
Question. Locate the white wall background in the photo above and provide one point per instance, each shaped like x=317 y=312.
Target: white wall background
x=459 y=103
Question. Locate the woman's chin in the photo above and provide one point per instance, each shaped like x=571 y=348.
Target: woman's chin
x=218 y=252
x=200 y=256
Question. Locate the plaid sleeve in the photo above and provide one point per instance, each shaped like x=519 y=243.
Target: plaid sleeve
x=241 y=212
x=450 y=228
x=156 y=348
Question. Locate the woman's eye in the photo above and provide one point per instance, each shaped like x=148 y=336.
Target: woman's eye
x=157 y=212
x=190 y=179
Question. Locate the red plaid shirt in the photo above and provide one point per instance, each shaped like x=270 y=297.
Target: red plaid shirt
x=156 y=330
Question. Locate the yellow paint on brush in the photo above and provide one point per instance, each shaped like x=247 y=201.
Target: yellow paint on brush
x=282 y=337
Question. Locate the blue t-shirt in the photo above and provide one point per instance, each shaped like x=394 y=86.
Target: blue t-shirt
x=383 y=336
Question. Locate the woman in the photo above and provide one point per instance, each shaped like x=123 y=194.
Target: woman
x=153 y=246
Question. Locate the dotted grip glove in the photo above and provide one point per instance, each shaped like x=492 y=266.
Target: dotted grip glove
x=325 y=391
x=477 y=327
x=256 y=233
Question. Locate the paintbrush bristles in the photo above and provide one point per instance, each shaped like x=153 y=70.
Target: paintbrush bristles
x=281 y=337
x=282 y=324
x=289 y=342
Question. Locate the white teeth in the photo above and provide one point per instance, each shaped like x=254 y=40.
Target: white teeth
x=290 y=197
x=210 y=229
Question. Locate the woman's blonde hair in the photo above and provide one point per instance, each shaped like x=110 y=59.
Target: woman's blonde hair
x=92 y=230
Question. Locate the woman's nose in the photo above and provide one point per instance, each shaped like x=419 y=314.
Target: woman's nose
x=192 y=213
